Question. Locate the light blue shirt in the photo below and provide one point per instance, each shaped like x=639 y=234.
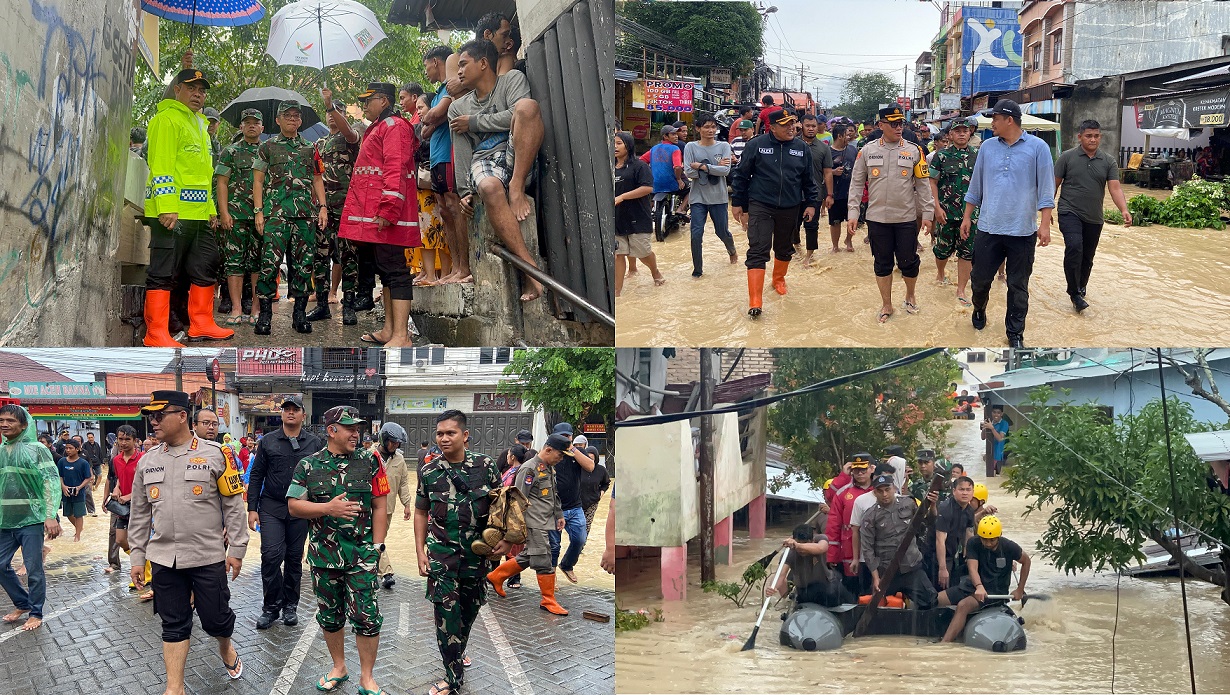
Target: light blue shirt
x=1011 y=183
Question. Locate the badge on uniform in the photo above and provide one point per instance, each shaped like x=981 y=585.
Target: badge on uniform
x=154 y=492
x=875 y=172
x=197 y=490
x=196 y=459
x=546 y=491
x=529 y=478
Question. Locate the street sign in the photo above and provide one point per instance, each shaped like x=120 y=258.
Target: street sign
x=58 y=389
x=215 y=370
x=950 y=101
x=719 y=77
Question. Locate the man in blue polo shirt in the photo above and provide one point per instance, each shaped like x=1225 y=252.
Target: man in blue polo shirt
x=1014 y=179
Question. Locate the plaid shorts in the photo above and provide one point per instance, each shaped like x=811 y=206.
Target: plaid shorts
x=500 y=165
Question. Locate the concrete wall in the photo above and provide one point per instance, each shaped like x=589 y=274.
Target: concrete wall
x=66 y=70
x=1111 y=38
x=1099 y=99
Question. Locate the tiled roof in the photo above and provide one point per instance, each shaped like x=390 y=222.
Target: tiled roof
x=18 y=367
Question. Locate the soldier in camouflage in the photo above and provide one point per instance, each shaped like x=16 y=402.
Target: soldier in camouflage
x=342 y=490
x=450 y=513
x=337 y=153
x=287 y=173
x=233 y=179
x=920 y=484
x=951 y=171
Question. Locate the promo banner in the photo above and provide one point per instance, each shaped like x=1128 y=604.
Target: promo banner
x=991 y=50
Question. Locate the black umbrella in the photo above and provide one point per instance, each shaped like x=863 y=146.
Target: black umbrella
x=266 y=100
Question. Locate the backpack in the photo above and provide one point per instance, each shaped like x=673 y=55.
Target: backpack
x=507 y=513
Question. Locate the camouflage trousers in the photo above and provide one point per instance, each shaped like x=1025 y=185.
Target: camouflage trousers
x=241 y=249
x=293 y=238
x=347 y=592
x=331 y=247
x=948 y=241
x=455 y=616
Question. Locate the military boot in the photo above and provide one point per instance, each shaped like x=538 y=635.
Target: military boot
x=321 y=312
x=349 y=318
x=299 y=317
x=264 y=322
x=224 y=305
x=246 y=300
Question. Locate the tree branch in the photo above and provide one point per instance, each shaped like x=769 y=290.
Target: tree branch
x=1196 y=384
x=1217 y=577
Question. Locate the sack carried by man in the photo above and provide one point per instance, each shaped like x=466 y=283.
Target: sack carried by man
x=505 y=522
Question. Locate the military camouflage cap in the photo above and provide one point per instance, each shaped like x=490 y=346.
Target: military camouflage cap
x=288 y=105
x=252 y=113
x=343 y=415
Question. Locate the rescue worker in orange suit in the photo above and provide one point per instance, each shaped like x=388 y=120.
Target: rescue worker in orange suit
x=838 y=529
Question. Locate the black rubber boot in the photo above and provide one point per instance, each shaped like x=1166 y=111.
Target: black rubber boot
x=299 y=317
x=364 y=302
x=246 y=301
x=321 y=312
x=264 y=322
x=224 y=306
x=349 y=318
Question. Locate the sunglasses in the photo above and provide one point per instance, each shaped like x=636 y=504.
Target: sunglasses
x=896 y=124
x=158 y=416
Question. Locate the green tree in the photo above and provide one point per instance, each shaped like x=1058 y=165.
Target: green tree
x=864 y=92
x=729 y=33
x=570 y=384
x=1094 y=522
x=905 y=406
x=235 y=60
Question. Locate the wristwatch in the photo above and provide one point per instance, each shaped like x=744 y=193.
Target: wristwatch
x=380 y=547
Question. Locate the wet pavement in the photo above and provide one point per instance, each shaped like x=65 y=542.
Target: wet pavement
x=697 y=648
x=1150 y=285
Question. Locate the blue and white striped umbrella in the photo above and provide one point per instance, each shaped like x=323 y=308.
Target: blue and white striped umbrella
x=210 y=13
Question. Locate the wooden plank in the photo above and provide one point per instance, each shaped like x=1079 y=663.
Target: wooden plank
x=597 y=248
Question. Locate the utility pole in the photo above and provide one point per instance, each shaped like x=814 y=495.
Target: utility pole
x=707 y=571
x=179 y=369
x=905 y=80
x=800 y=77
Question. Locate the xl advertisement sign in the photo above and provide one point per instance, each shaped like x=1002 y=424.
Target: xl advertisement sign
x=991 y=50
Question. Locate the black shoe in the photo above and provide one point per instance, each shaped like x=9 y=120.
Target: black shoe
x=1016 y=342
x=979 y=318
x=349 y=318
x=290 y=616
x=298 y=317
x=321 y=312
x=389 y=581
x=1081 y=291
x=364 y=301
x=754 y=312
x=225 y=306
x=264 y=321
x=267 y=619
x=1079 y=303
x=246 y=305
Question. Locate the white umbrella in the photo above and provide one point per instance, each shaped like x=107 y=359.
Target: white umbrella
x=318 y=33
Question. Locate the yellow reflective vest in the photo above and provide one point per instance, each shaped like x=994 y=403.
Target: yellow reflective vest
x=180 y=164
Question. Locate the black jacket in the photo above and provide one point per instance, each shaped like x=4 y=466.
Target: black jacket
x=271 y=469
x=593 y=484
x=93 y=453
x=775 y=173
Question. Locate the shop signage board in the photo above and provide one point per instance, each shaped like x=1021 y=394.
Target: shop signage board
x=949 y=102
x=669 y=96
x=416 y=404
x=496 y=402
x=68 y=411
x=57 y=389
x=263 y=403
x=1206 y=109
x=266 y=362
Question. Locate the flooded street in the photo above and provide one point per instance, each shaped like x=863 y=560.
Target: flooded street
x=1149 y=285
x=697 y=648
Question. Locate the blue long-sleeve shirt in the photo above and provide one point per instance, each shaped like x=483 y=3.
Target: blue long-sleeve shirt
x=1011 y=183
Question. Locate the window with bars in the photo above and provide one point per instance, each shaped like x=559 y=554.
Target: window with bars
x=342 y=358
x=1057 y=48
x=495 y=355
x=1036 y=59
x=428 y=355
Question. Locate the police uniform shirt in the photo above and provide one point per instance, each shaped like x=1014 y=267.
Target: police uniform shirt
x=881 y=533
x=897 y=182
x=537 y=480
x=175 y=492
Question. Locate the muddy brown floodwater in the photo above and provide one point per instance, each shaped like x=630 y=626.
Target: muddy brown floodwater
x=1149 y=285
x=697 y=648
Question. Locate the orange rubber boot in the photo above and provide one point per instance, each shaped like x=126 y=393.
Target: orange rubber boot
x=500 y=574
x=157 y=314
x=755 y=290
x=546 y=584
x=201 y=315
x=779 y=275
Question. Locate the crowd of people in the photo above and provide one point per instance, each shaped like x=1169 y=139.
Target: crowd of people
x=387 y=196
x=326 y=498
x=988 y=202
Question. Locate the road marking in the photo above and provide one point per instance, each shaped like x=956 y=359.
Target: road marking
x=47 y=618
x=512 y=666
x=403 y=620
x=295 y=661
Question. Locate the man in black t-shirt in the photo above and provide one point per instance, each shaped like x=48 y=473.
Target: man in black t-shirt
x=953 y=526
x=814 y=581
x=568 y=486
x=990 y=559
x=633 y=211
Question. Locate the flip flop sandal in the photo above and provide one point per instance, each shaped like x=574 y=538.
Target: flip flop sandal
x=465 y=661
x=369 y=338
x=365 y=691
x=910 y=308
x=965 y=302
x=437 y=690
x=237 y=666
x=328 y=684
x=884 y=317
x=235 y=320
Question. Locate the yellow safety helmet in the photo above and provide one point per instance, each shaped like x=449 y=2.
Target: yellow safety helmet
x=980 y=492
x=990 y=527
x=828 y=483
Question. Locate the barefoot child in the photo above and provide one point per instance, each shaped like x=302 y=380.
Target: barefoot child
x=76 y=479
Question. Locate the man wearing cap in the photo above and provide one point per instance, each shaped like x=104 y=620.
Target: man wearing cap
x=526 y=439
x=181 y=213
x=337 y=153
x=773 y=180
x=850 y=486
x=899 y=193
x=286 y=179
x=341 y=491
x=186 y=494
x=241 y=245
x=282 y=535
x=920 y=485
x=388 y=450
x=381 y=214
x=451 y=506
x=1013 y=181
x=951 y=169
x=884 y=527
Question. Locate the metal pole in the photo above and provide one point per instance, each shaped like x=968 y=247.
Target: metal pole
x=707 y=571
x=179 y=369
x=555 y=285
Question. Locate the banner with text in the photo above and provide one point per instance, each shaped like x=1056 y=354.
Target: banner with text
x=669 y=96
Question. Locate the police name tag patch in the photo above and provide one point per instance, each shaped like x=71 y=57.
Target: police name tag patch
x=797 y=153
x=766 y=150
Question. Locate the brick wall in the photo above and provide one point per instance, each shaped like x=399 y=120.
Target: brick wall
x=686 y=365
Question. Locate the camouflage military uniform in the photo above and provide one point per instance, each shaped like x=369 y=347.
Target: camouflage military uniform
x=341 y=552
x=240 y=244
x=337 y=157
x=289 y=165
x=952 y=170
x=455 y=575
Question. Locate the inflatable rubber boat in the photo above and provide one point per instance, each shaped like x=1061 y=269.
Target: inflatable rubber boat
x=812 y=627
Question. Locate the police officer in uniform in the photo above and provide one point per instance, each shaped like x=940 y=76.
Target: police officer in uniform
x=187 y=490
x=450 y=512
x=241 y=245
x=337 y=152
x=282 y=535
x=341 y=490
x=389 y=442
x=536 y=478
x=899 y=191
x=884 y=526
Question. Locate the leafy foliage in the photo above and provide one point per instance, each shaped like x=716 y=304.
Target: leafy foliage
x=1194 y=204
x=820 y=430
x=1114 y=216
x=626 y=621
x=1094 y=522
x=574 y=383
x=864 y=92
x=729 y=33
x=754 y=577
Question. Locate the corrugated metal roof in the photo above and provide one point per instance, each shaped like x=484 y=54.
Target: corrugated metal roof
x=18 y=367
x=1211 y=446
